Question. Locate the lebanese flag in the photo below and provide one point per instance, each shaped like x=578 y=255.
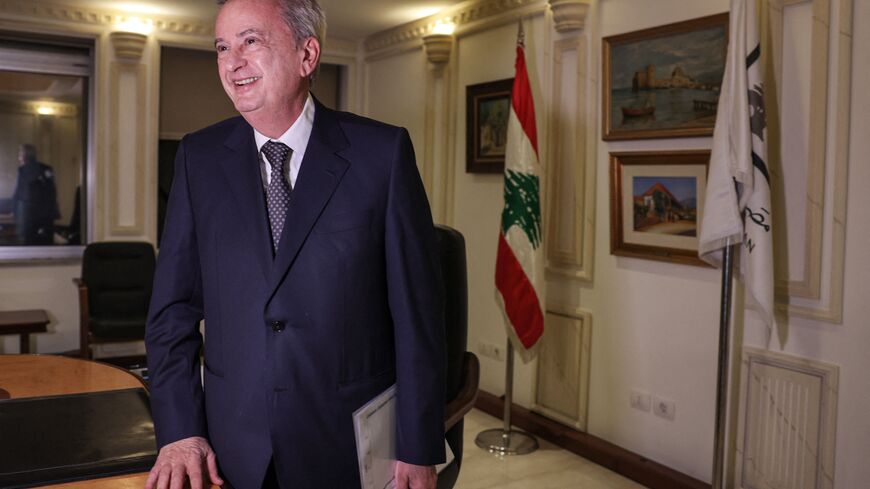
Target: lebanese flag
x=519 y=266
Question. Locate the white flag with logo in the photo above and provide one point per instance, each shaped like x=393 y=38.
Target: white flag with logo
x=737 y=203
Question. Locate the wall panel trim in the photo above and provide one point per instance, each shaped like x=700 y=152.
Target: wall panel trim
x=115 y=166
x=800 y=299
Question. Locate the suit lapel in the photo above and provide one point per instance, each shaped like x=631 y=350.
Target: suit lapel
x=319 y=175
x=242 y=170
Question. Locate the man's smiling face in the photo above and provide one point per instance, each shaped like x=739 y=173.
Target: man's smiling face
x=259 y=64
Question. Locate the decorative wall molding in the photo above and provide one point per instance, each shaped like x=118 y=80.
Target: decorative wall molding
x=126 y=211
x=787 y=422
x=437 y=135
x=810 y=284
x=77 y=14
x=461 y=15
x=571 y=172
x=563 y=366
x=569 y=15
x=128 y=45
x=804 y=297
x=438 y=47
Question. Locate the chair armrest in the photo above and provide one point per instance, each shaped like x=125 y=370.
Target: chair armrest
x=84 y=315
x=465 y=399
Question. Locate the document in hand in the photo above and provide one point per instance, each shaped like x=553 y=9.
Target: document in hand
x=375 y=427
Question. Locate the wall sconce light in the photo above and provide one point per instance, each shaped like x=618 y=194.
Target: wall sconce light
x=446 y=28
x=128 y=45
x=439 y=43
x=569 y=15
x=45 y=110
x=130 y=39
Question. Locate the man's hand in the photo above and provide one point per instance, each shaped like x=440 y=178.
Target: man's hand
x=182 y=460
x=410 y=476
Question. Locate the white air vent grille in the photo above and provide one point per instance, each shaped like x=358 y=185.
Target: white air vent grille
x=788 y=418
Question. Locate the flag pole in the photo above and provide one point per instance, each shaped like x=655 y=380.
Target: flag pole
x=722 y=376
x=504 y=440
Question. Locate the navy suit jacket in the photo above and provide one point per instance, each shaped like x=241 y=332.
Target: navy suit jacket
x=350 y=304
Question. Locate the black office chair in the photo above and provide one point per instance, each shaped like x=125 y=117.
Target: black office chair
x=463 y=369
x=114 y=292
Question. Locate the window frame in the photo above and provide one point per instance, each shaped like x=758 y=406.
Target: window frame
x=54 y=63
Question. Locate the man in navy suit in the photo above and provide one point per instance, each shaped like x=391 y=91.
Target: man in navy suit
x=304 y=239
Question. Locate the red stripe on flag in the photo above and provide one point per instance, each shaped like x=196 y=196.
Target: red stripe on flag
x=522 y=101
x=520 y=300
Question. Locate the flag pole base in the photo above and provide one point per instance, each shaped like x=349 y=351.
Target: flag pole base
x=503 y=442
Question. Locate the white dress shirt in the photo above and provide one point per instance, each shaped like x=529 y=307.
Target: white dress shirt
x=296 y=138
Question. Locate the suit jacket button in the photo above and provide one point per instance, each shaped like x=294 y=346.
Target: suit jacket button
x=277 y=326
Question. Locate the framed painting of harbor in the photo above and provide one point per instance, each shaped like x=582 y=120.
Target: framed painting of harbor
x=664 y=81
x=488 y=106
x=657 y=203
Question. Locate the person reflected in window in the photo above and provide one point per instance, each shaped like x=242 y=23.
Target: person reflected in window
x=35 y=199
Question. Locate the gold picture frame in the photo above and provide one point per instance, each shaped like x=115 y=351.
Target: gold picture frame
x=664 y=82
x=656 y=204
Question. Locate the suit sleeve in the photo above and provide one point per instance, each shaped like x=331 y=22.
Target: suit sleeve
x=416 y=305
x=172 y=337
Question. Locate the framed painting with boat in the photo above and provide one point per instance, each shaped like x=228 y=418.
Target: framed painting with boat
x=656 y=204
x=664 y=81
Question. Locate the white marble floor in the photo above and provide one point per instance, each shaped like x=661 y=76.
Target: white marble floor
x=550 y=467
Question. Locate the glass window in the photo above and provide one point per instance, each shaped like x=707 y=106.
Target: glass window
x=44 y=150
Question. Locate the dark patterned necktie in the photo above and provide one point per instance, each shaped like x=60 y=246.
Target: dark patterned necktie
x=278 y=190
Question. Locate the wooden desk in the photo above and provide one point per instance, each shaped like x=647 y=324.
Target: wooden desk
x=23 y=323
x=41 y=375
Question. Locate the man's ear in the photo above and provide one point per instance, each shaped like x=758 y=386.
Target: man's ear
x=310 y=56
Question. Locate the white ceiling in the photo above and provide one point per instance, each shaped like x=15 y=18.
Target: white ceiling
x=347 y=19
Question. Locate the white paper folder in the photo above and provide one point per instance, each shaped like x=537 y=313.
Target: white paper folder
x=375 y=427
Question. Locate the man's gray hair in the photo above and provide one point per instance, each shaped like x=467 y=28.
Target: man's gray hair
x=305 y=19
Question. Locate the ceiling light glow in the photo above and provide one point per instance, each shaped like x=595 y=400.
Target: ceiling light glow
x=137 y=25
x=45 y=110
x=444 y=27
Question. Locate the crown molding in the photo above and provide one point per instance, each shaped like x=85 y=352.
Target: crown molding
x=56 y=12
x=462 y=15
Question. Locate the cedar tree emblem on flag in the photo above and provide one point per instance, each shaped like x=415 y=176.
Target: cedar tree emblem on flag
x=519 y=268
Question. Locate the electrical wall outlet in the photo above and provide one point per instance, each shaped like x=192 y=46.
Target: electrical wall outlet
x=640 y=400
x=491 y=351
x=664 y=408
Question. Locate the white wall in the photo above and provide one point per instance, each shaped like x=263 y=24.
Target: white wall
x=397 y=93
x=655 y=325
x=46 y=287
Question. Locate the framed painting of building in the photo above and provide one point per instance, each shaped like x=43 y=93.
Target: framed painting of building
x=664 y=81
x=657 y=204
x=488 y=107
